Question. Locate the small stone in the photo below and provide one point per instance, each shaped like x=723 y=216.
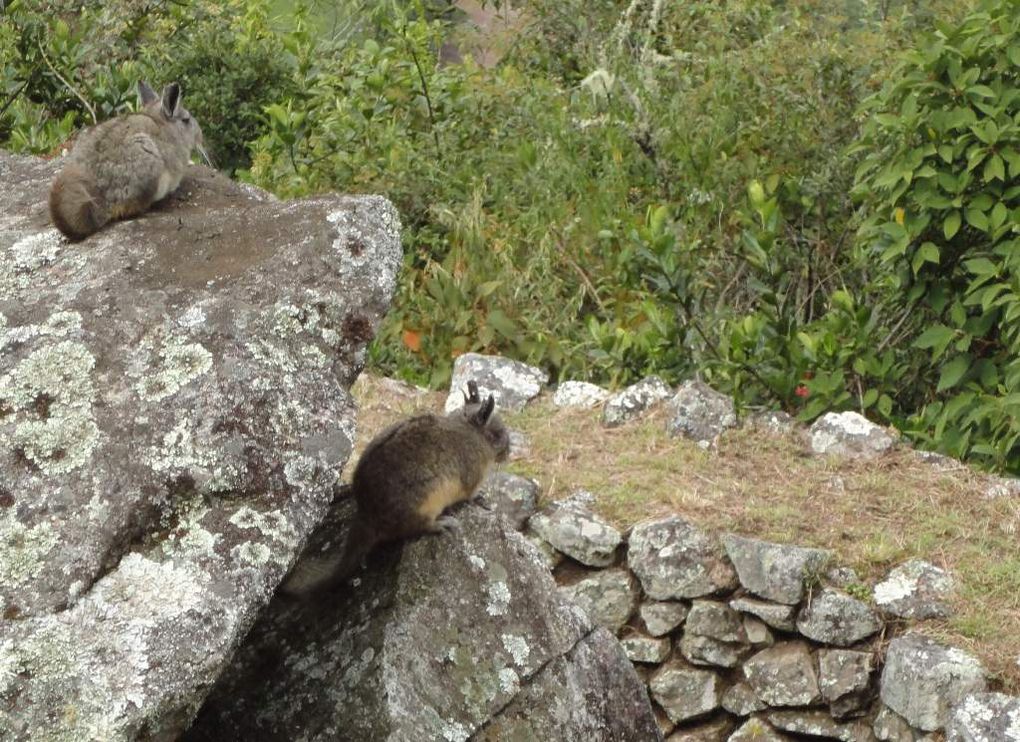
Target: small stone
x=757 y=632
x=916 y=590
x=685 y=692
x=674 y=559
x=783 y=675
x=820 y=724
x=704 y=650
x=833 y=617
x=848 y=434
x=938 y=460
x=645 y=648
x=842 y=577
x=512 y=383
x=510 y=495
x=776 y=615
x=550 y=557
x=1002 y=487
x=662 y=720
x=579 y=394
x=922 y=680
x=520 y=445
x=891 y=727
x=661 y=617
x=710 y=731
x=843 y=672
x=578 y=533
x=715 y=620
x=774 y=571
x=608 y=596
x=774 y=421
x=700 y=413
x=740 y=700
x=633 y=401
x=756 y=730
x=985 y=717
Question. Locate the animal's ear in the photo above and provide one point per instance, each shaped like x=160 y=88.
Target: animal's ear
x=472 y=393
x=146 y=94
x=171 y=99
x=482 y=416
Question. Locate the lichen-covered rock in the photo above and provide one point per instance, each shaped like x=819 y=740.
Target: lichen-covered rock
x=512 y=383
x=674 y=559
x=713 y=730
x=444 y=638
x=776 y=615
x=842 y=672
x=714 y=635
x=756 y=730
x=579 y=394
x=783 y=675
x=757 y=631
x=740 y=699
x=922 y=680
x=774 y=571
x=646 y=649
x=608 y=596
x=848 y=434
x=833 y=617
x=632 y=402
x=661 y=617
x=510 y=495
x=916 y=589
x=577 y=532
x=819 y=724
x=985 y=717
x=700 y=413
x=891 y=727
x=520 y=445
x=174 y=417
x=685 y=692
x=774 y=421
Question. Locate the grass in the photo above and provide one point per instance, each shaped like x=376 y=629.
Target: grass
x=873 y=515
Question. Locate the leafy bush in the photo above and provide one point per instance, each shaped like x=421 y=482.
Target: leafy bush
x=940 y=183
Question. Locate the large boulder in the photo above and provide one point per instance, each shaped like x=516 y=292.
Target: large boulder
x=675 y=559
x=173 y=417
x=700 y=413
x=849 y=434
x=445 y=638
x=513 y=384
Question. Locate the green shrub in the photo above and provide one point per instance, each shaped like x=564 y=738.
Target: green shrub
x=940 y=185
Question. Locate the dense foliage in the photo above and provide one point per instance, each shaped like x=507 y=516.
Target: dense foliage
x=755 y=192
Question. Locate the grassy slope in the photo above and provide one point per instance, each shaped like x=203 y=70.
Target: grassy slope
x=873 y=515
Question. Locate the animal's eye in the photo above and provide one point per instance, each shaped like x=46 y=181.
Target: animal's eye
x=186 y=119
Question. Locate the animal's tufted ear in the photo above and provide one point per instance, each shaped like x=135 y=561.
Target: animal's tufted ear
x=146 y=94
x=171 y=100
x=484 y=413
x=471 y=397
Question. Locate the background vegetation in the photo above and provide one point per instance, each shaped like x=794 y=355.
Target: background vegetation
x=812 y=205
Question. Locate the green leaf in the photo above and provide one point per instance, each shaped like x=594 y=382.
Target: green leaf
x=869 y=398
x=977 y=219
x=994 y=168
x=936 y=337
x=981 y=266
x=951 y=225
x=926 y=253
x=885 y=405
x=953 y=372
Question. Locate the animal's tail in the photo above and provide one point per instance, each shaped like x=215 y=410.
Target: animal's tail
x=316 y=574
x=77 y=208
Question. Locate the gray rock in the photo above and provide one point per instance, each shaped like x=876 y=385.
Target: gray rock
x=985 y=717
x=510 y=495
x=714 y=635
x=713 y=730
x=757 y=730
x=174 y=416
x=757 y=632
x=661 y=617
x=842 y=577
x=579 y=394
x=646 y=648
x=674 y=559
x=512 y=383
x=784 y=675
x=740 y=700
x=774 y=571
x=844 y=676
x=833 y=617
x=608 y=597
x=916 y=590
x=700 y=413
x=578 y=533
x=922 y=680
x=685 y=692
x=890 y=726
x=1002 y=487
x=632 y=402
x=776 y=615
x=848 y=434
x=549 y=556
x=444 y=638
x=774 y=421
x=703 y=650
x=520 y=445
x=820 y=724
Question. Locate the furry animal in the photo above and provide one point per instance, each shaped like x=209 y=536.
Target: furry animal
x=407 y=477
x=123 y=166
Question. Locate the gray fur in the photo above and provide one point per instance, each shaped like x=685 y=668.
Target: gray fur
x=123 y=166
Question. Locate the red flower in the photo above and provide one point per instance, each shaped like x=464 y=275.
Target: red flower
x=801 y=391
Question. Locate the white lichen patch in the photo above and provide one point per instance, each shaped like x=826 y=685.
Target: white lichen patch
x=499 y=598
x=454 y=731
x=518 y=648
x=476 y=561
x=59 y=324
x=181 y=452
x=252 y=553
x=145 y=590
x=192 y=317
x=179 y=364
x=23 y=549
x=273 y=524
x=509 y=681
x=51 y=394
x=36 y=250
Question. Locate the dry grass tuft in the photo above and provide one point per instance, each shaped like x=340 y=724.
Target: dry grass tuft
x=874 y=515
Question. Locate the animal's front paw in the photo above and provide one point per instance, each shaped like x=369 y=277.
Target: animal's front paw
x=446 y=524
